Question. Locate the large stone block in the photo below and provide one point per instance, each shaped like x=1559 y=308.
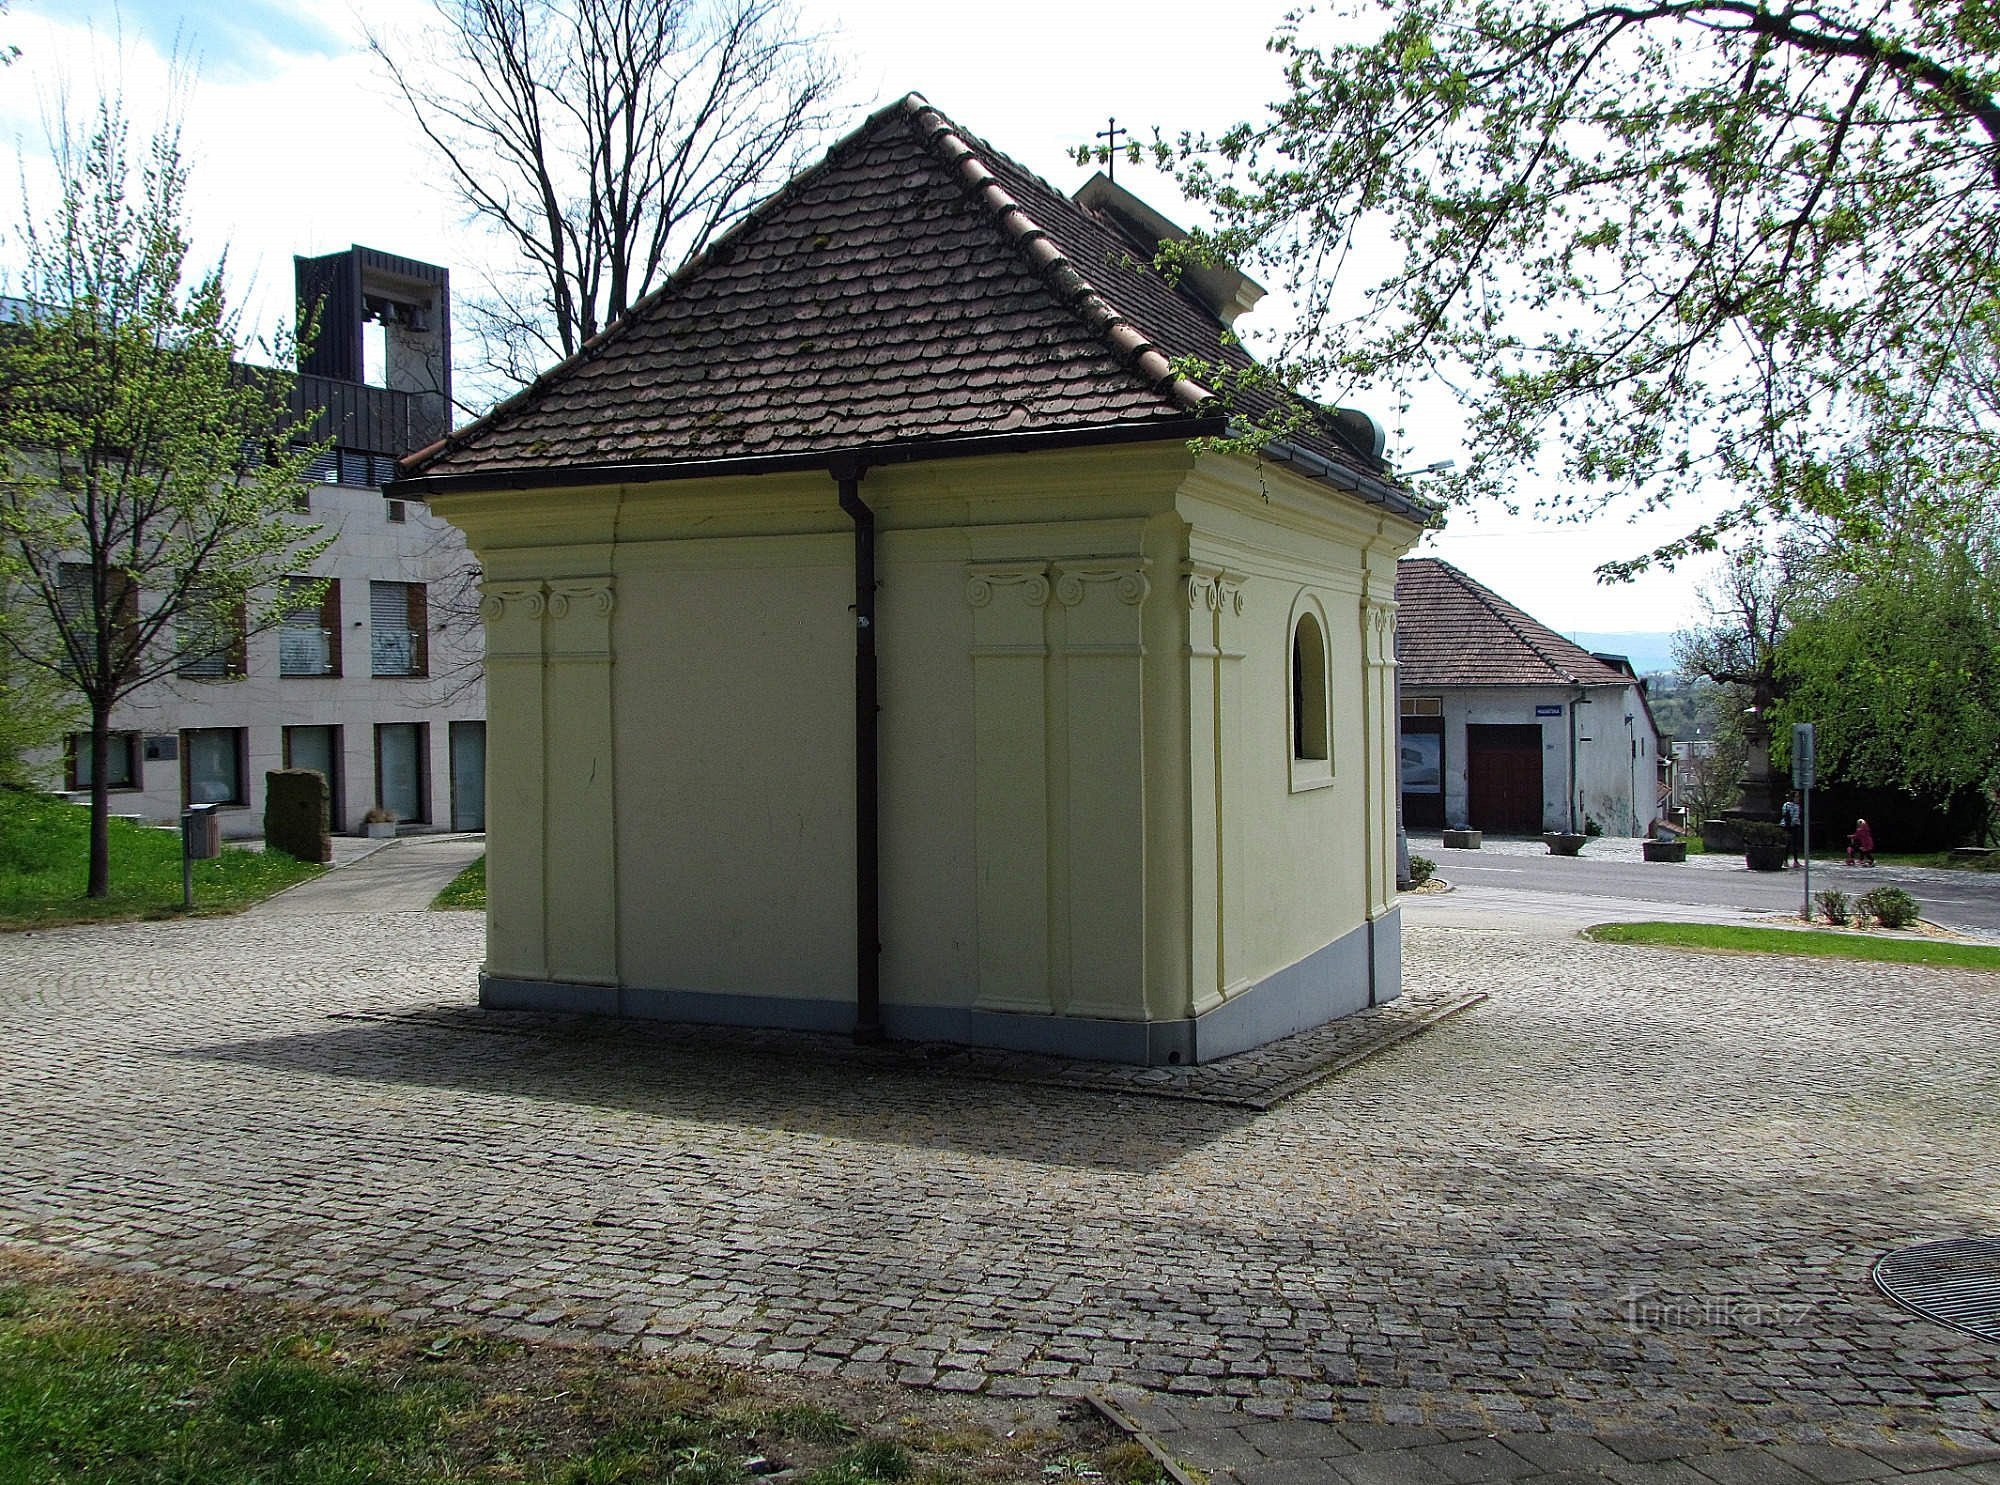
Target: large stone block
x=297 y=813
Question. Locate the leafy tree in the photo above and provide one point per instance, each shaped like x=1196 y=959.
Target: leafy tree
x=1896 y=659
x=1687 y=243
x=147 y=489
x=606 y=141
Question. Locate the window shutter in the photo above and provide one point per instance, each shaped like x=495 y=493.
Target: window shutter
x=329 y=620
x=420 y=631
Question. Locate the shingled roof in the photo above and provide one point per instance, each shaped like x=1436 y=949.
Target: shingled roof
x=1453 y=631
x=915 y=286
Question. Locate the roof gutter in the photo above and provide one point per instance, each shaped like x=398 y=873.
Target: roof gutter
x=1392 y=497
x=917 y=451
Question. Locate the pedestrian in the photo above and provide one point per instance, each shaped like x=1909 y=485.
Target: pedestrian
x=1861 y=845
x=1790 y=816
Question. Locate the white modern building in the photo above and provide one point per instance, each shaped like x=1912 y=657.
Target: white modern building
x=378 y=684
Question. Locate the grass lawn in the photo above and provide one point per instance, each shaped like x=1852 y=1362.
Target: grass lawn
x=122 y=1381
x=466 y=890
x=1823 y=943
x=45 y=867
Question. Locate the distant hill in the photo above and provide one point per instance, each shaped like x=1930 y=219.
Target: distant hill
x=1648 y=651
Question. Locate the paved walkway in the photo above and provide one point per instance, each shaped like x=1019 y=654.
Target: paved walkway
x=394 y=876
x=1634 y=1194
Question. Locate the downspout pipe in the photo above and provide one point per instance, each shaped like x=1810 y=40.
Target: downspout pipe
x=847 y=472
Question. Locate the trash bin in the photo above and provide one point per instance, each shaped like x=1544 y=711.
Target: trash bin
x=201 y=832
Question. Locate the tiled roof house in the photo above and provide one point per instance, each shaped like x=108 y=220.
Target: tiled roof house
x=1500 y=713
x=861 y=588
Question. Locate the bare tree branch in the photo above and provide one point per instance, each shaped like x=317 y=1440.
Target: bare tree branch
x=607 y=141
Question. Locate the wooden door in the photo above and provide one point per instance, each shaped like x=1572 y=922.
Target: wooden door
x=1503 y=779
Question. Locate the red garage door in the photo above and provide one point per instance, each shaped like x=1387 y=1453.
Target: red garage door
x=1503 y=779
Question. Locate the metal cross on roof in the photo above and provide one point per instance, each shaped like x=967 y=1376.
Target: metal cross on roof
x=1110 y=138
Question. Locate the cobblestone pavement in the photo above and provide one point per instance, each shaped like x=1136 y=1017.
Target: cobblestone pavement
x=1256 y=1079
x=1632 y=1191
x=1232 y=1449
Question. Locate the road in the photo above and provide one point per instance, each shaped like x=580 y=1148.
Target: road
x=1966 y=901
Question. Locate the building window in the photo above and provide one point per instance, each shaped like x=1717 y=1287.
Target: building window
x=211 y=637
x=121 y=770
x=354 y=467
x=1309 y=723
x=398 y=620
x=212 y=765
x=1309 y=691
x=76 y=597
x=317 y=748
x=402 y=769
x=309 y=636
x=1423 y=706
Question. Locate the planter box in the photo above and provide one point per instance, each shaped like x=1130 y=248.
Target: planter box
x=1766 y=858
x=1665 y=850
x=1462 y=840
x=1564 y=843
x=380 y=829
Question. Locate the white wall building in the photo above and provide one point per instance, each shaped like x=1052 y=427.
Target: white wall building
x=379 y=685
x=1509 y=727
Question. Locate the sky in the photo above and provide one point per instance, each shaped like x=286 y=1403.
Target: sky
x=298 y=146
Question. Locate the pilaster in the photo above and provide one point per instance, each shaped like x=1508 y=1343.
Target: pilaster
x=577 y=731
x=1380 y=730
x=1215 y=649
x=1011 y=782
x=1104 y=839
x=516 y=818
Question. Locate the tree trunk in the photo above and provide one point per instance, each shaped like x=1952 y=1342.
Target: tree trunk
x=100 y=801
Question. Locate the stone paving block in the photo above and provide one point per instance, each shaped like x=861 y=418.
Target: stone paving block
x=1749 y=1467
x=1294 y=1439
x=1211 y=1447
x=1390 y=1467
x=1472 y=1460
x=1378 y=1436
x=1656 y=1472
x=1830 y=1464
x=1911 y=1455
x=1559 y=1451
x=1289 y=1472
x=1644 y=1448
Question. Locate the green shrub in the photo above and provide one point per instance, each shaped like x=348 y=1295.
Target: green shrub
x=1892 y=907
x=1591 y=828
x=1422 y=868
x=1832 y=906
x=1758 y=833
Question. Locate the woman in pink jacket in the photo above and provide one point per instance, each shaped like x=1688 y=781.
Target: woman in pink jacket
x=1861 y=845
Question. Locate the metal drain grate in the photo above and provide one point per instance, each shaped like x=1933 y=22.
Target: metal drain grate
x=1955 y=1283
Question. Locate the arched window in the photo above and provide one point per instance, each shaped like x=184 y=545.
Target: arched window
x=1309 y=719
